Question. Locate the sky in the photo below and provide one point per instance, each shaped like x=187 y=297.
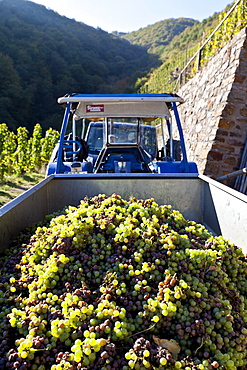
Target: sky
x=131 y=15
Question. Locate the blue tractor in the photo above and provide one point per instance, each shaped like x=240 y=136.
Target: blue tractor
x=123 y=133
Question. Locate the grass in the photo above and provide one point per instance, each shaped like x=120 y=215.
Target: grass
x=14 y=185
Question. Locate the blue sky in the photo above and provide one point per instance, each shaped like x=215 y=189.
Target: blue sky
x=131 y=15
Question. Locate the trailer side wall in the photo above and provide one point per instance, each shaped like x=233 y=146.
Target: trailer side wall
x=200 y=199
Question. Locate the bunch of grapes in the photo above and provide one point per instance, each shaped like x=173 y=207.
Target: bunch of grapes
x=122 y=284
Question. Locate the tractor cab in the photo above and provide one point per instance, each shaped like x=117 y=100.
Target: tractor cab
x=120 y=134
x=121 y=145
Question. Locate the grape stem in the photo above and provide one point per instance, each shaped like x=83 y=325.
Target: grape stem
x=38 y=349
x=151 y=327
x=199 y=346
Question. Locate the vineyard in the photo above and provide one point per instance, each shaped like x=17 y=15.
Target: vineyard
x=184 y=51
x=22 y=153
x=230 y=27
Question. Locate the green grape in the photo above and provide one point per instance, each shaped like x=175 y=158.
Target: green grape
x=146 y=353
x=163 y=361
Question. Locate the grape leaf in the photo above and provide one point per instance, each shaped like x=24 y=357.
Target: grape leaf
x=212 y=268
x=171 y=345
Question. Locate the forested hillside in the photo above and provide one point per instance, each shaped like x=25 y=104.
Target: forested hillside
x=155 y=37
x=44 y=55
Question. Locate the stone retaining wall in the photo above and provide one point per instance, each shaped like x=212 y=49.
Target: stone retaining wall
x=214 y=115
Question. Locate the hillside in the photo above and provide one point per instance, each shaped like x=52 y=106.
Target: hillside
x=173 y=53
x=155 y=37
x=44 y=55
x=183 y=46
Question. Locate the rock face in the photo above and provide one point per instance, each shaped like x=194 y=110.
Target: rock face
x=214 y=115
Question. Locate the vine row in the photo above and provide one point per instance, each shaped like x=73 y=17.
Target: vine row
x=21 y=152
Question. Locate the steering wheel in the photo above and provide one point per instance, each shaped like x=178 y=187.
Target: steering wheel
x=68 y=144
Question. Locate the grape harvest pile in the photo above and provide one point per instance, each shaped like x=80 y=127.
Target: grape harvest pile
x=122 y=284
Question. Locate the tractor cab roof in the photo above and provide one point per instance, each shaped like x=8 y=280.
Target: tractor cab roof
x=146 y=106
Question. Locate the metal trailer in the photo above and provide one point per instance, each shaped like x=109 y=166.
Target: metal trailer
x=199 y=198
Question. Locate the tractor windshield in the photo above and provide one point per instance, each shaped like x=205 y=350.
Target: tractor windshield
x=121 y=132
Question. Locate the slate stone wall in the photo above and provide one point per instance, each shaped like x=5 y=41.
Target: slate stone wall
x=214 y=115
